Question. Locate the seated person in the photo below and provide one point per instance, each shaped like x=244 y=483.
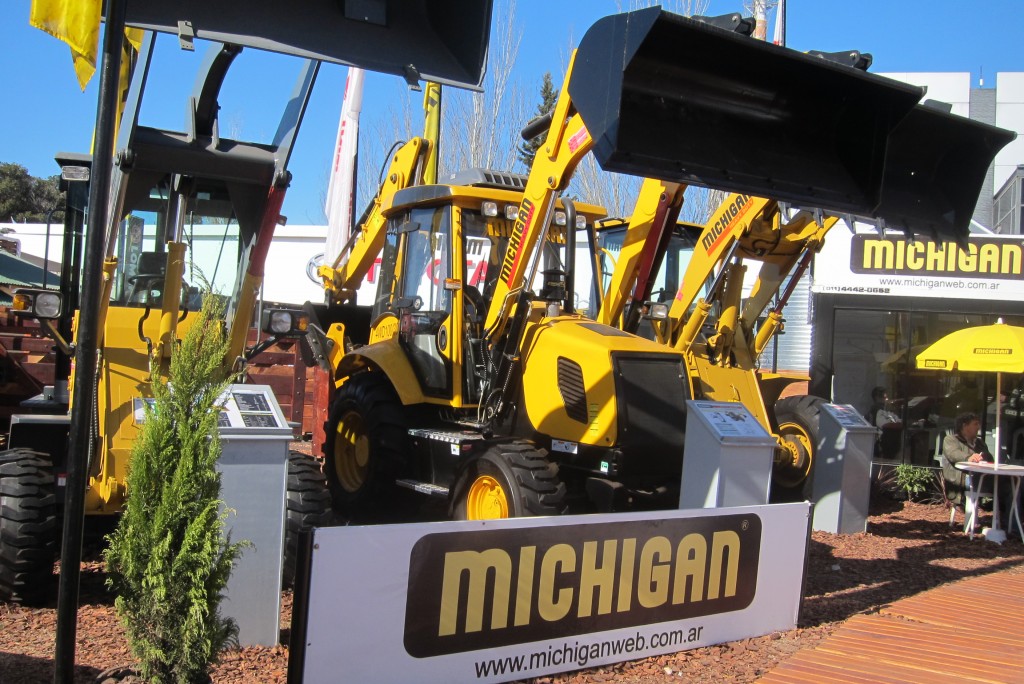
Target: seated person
x=963 y=445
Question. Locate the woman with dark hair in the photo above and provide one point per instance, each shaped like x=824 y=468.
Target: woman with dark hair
x=963 y=445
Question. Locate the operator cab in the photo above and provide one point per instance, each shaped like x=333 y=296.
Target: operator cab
x=440 y=263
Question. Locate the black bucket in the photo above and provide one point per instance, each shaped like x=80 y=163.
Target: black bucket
x=934 y=171
x=676 y=99
x=445 y=42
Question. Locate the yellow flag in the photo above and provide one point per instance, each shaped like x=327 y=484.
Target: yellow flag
x=77 y=23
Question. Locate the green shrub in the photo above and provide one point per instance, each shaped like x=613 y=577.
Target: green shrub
x=169 y=559
x=914 y=480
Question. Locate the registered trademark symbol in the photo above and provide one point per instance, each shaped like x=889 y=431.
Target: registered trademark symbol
x=744 y=525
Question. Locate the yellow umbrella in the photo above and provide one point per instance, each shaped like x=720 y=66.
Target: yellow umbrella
x=997 y=348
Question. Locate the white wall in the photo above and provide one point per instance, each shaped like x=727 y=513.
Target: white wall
x=1010 y=114
x=952 y=88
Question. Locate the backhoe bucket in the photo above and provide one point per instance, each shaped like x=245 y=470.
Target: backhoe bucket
x=934 y=171
x=677 y=99
x=431 y=40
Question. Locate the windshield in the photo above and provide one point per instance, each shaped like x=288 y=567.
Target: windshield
x=486 y=241
x=211 y=258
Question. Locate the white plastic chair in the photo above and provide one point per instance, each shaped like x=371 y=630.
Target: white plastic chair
x=971 y=501
x=940 y=461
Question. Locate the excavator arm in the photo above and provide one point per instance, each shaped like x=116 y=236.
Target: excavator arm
x=650 y=226
x=342 y=278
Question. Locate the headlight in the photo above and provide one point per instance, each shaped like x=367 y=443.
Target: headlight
x=43 y=304
x=284 y=321
x=489 y=208
x=657 y=311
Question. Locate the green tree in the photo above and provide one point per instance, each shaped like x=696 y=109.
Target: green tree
x=528 y=149
x=25 y=198
x=168 y=559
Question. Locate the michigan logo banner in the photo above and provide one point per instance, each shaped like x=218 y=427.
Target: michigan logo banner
x=492 y=601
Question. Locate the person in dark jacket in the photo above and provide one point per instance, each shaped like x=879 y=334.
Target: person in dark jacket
x=964 y=445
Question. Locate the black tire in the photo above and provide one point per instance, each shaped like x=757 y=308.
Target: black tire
x=797 y=421
x=28 y=527
x=307 y=505
x=364 y=449
x=511 y=480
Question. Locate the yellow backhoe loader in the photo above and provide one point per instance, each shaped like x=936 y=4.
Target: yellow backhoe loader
x=194 y=210
x=471 y=387
x=721 y=333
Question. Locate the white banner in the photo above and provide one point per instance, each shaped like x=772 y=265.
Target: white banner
x=493 y=601
x=869 y=264
x=340 y=189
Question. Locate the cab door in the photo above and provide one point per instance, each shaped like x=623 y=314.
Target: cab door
x=422 y=297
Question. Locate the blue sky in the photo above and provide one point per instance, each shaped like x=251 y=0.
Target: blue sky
x=45 y=112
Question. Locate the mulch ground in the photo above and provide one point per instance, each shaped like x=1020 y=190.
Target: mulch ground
x=908 y=548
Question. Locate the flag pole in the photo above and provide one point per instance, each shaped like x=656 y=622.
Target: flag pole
x=87 y=345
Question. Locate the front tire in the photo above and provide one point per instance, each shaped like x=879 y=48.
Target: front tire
x=28 y=527
x=509 y=481
x=798 y=421
x=307 y=505
x=364 y=447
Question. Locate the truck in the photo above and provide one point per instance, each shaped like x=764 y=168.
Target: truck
x=464 y=384
x=192 y=211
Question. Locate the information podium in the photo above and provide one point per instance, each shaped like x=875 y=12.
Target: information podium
x=842 y=470
x=254 y=438
x=727 y=460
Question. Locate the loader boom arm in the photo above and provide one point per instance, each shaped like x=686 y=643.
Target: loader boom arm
x=567 y=142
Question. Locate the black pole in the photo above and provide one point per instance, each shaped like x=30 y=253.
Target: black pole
x=87 y=344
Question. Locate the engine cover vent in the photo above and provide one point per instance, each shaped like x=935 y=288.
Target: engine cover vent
x=572 y=389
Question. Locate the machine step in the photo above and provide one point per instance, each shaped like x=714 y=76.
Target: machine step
x=424 y=488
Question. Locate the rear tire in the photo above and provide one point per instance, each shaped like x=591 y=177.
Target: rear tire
x=798 y=421
x=28 y=527
x=511 y=480
x=308 y=505
x=363 y=450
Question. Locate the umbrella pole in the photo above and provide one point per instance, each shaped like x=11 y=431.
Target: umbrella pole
x=999 y=411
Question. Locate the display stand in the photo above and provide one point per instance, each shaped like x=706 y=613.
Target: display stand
x=254 y=471
x=842 y=470
x=727 y=460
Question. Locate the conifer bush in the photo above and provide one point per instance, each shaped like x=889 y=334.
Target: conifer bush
x=169 y=558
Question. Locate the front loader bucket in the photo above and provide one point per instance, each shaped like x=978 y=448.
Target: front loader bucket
x=935 y=167
x=676 y=99
x=445 y=42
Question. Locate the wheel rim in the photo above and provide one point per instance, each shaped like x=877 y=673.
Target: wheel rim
x=351 y=451
x=797 y=452
x=486 y=499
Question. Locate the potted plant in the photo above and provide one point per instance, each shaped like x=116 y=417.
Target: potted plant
x=169 y=558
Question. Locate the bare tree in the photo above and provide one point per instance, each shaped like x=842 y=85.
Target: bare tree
x=482 y=129
x=477 y=129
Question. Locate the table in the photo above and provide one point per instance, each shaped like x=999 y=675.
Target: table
x=1015 y=472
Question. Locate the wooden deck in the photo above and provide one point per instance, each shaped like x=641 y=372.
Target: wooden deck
x=970 y=631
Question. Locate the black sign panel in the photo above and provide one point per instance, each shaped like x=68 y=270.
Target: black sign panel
x=470 y=591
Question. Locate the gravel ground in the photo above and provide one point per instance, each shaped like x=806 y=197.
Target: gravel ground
x=908 y=548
